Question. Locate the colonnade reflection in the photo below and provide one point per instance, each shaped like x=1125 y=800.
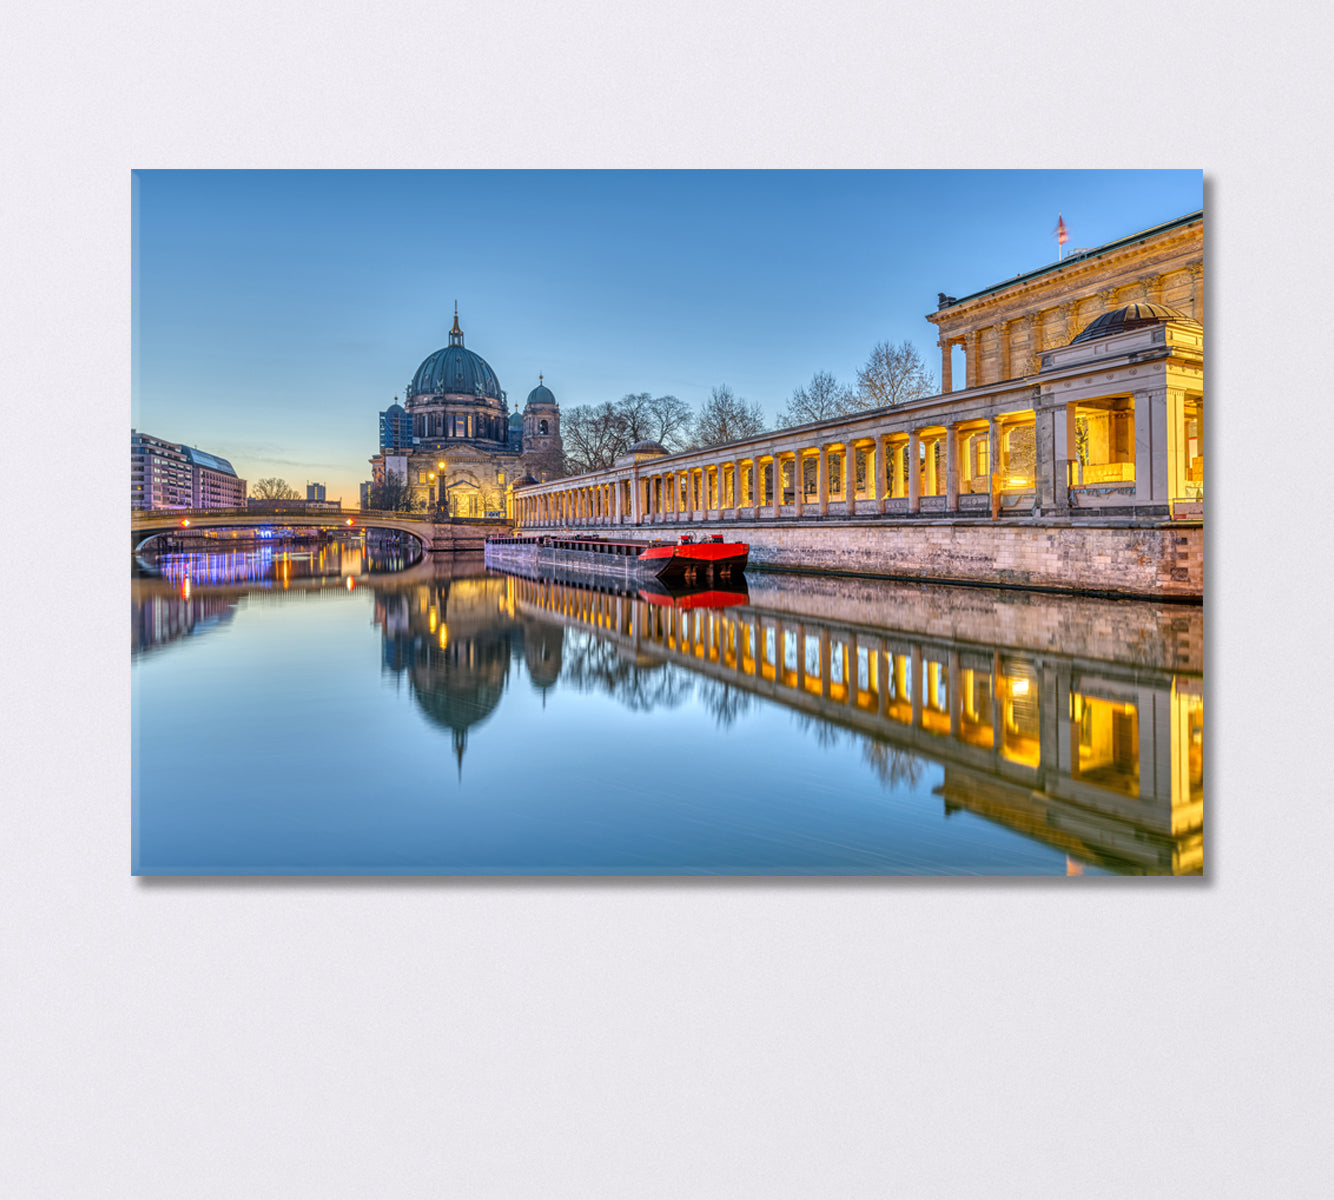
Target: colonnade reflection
x=1095 y=749
x=1102 y=760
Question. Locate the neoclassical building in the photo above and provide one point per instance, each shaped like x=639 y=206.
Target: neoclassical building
x=1071 y=457
x=465 y=449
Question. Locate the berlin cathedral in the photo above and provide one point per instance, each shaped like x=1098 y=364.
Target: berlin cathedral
x=455 y=442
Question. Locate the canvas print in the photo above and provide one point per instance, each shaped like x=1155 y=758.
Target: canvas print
x=668 y=523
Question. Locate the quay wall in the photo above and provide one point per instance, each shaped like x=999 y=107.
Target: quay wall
x=1157 y=560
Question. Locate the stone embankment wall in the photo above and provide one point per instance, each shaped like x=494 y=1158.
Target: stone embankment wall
x=461 y=537
x=1157 y=560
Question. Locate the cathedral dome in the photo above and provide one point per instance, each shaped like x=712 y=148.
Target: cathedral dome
x=1131 y=316
x=455 y=369
x=541 y=394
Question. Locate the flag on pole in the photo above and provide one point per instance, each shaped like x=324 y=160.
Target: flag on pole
x=1061 y=235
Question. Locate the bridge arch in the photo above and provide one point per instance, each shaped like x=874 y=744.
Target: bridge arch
x=433 y=532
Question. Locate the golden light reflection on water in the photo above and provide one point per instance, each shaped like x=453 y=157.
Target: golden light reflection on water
x=1098 y=758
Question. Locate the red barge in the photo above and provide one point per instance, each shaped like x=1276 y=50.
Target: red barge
x=627 y=560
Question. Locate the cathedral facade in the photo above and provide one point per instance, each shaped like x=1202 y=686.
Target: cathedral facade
x=454 y=441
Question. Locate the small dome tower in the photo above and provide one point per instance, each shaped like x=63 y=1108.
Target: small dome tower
x=541 y=422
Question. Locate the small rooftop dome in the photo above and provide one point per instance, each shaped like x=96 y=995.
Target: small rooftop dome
x=1132 y=316
x=640 y=452
x=524 y=480
x=541 y=394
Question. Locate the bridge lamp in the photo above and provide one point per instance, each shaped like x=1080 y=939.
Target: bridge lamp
x=185 y=520
x=349 y=520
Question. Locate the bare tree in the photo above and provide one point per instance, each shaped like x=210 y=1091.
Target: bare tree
x=726 y=417
x=822 y=398
x=272 y=488
x=596 y=434
x=673 y=422
x=649 y=418
x=390 y=494
x=635 y=409
x=892 y=375
x=593 y=434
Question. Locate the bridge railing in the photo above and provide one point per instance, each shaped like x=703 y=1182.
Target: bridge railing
x=333 y=515
x=190 y=514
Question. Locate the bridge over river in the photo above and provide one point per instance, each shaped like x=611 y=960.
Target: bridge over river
x=437 y=534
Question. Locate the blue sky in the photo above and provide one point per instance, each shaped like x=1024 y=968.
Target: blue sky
x=276 y=313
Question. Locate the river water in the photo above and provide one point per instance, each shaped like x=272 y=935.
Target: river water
x=335 y=709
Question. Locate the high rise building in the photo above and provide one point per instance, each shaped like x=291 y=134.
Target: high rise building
x=395 y=429
x=170 y=475
x=314 y=491
x=213 y=482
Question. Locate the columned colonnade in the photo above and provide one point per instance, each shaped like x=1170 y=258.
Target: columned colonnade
x=842 y=469
x=1114 y=424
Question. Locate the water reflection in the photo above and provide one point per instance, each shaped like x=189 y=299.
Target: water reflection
x=1076 y=723
x=179 y=593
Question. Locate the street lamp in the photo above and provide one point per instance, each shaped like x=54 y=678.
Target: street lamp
x=442 y=503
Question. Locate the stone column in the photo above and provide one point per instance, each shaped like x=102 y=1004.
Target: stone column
x=1153 y=288
x=850 y=478
x=914 y=473
x=993 y=455
x=1044 y=457
x=1066 y=453
x=1107 y=297
x=822 y=479
x=1151 y=445
x=946 y=365
x=1177 y=462
x=973 y=354
x=1197 y=291
x=736 y=488
x=798 y=482
x=952 y=467
x=776 y=491
x=636 y=500
x=1003 y=349
x=875 y=478
x=826 y=663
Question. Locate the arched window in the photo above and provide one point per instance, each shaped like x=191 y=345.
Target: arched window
x=541 y=427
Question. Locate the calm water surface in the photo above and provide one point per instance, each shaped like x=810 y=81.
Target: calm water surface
x=329 y=710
